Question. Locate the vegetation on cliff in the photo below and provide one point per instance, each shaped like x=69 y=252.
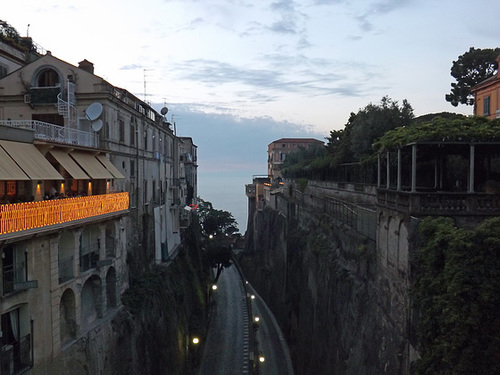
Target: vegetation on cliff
x=168 y=304
x=457 y=295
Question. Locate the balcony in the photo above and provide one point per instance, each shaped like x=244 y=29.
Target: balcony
x=31 y=215
x=44 y=95
x=55 y=133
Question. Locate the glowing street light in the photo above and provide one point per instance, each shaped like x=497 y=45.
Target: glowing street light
x=261 y=359
x=196 y=340
x=214 y=287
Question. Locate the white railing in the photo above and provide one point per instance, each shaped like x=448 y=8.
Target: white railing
x=55 y=133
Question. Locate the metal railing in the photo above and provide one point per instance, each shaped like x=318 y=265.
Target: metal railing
x=55 y=133
x=22 y=216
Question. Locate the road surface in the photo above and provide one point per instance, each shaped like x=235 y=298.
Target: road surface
x=226 y=350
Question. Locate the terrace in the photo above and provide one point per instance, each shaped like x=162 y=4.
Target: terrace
x=55 y=133
x=20 y=217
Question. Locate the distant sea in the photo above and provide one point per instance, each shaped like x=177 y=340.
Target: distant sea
x=226 y=191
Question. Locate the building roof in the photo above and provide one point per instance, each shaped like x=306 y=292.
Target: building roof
x=297 y=140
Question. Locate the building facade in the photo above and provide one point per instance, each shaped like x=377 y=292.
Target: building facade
x=90 y=179
x=487 y=97
x=279 y=149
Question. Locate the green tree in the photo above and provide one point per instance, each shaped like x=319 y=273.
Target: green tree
x=471 y=68
x=364 y=127
x=215 y=222
x=217 y=226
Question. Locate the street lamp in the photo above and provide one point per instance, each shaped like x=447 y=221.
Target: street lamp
x=196 y=340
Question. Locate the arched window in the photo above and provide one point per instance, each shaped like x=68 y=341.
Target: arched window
x=67 y=316
x=47 y=78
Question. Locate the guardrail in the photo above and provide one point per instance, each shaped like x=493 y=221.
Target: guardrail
x=22 y=216
x=55 y=133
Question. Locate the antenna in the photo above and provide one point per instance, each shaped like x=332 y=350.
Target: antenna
x=144 y=74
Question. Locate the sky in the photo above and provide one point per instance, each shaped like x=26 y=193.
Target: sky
x=239 y=74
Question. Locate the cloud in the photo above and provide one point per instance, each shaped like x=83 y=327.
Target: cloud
x=131 y=67
x=378 y=8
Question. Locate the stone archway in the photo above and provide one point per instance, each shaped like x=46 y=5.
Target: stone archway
x=111 y=297
x=67 y=316
x=91 y=304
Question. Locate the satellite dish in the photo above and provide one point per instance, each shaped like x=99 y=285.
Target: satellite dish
x=97 y=125
x=164 y=111
x=93 y=111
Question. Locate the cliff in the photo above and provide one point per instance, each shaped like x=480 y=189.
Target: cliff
x=341 y=311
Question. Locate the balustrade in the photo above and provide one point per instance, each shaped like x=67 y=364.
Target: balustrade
x=22 y=216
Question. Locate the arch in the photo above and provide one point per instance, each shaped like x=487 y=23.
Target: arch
x=67 y=316
x=111 y=297
x=91 y=304
x=65 y=256
x=90 y=244
x=46 y=76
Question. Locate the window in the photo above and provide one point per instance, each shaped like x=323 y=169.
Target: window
x=90 y=245
x=47 y=78
x=486 y=106
x=121 y=125
x=132 y=135
x=14 y=270
x=282 y=157
x=16 y=341
x=3 y=71
x=132 y=168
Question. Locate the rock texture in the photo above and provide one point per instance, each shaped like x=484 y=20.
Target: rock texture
x=341 y=310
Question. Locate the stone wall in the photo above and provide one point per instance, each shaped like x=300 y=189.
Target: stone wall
x=342 y=307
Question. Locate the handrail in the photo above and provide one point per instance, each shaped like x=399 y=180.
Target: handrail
x=55 y=133
x=22 y=216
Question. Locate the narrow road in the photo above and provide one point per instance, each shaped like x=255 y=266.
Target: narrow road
x=270 y=341
x=226 y=350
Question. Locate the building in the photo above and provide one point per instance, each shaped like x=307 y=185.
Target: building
x=278 y=150
x=487 y=96
x=90 y=182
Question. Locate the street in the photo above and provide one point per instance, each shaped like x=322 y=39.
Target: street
x=229 y=348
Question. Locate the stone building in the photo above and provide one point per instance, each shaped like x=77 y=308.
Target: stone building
x=279 y=149
x=90 y=182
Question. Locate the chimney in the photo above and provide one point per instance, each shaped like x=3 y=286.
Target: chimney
x=87 y=66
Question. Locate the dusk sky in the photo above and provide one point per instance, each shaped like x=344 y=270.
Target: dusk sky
x=239 y=74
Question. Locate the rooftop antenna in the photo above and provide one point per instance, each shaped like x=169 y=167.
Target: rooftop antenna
x=28 y=31
x=144 y=72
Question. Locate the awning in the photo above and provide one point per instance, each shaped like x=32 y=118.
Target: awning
x=31 y=161
x=109 y=166
x=69 y=164
x=9 y=170
x=91 y=165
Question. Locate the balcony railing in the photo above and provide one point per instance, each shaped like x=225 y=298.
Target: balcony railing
x=440 y=203
x=23 y=216
x=55 y=133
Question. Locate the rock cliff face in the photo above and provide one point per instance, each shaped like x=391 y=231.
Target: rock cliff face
x=341 y=312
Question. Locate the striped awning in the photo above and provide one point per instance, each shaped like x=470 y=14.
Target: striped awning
x=109 y=166
x=31 y=161
x=9 y=170
x=69 y=164
x=91 y=165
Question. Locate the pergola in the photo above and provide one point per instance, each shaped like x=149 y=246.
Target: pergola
x=428 y=166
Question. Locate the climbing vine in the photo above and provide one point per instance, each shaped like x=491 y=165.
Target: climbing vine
x=457 y=295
